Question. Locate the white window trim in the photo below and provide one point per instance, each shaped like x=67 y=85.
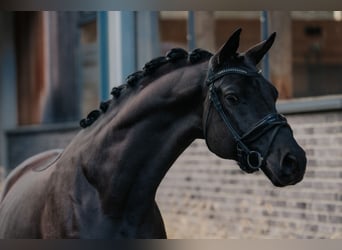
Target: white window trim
x=310 y=104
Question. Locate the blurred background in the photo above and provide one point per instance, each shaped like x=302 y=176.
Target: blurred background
x=55 y=67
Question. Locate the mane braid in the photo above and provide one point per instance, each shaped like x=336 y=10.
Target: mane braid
x=132 y=79
x=198 y=55
x=92 y=116
x=176 y=54
x=104 y=106
x=116 y=91
x=173 y=56
x=154 y=64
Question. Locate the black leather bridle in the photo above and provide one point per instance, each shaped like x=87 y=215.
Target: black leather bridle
x=249 y=160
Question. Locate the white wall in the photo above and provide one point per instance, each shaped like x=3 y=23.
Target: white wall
x=133 y=40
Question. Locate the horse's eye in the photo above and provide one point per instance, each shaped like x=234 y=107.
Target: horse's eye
x=232 y=99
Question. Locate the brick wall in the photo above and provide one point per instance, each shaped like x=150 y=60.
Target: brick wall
x=203 y=196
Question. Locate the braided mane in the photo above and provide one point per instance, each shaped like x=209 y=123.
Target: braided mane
x=172 y=57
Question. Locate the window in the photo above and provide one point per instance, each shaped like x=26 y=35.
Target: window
x=315 y=44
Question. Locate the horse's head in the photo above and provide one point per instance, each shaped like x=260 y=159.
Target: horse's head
x=240 y=118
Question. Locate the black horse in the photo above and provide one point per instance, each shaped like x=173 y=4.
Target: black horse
x=103 y=184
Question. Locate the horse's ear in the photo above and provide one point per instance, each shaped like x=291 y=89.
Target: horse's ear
x=228 y=50
x=257 y=52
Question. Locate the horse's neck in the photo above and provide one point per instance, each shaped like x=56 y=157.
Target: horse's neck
x=128 y=155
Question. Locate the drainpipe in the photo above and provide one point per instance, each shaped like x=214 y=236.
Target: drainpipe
x=264 y=36
x=103 y=53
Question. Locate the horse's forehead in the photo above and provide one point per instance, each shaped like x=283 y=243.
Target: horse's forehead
x=245 y=62
x=255 y=86
x=240 y=61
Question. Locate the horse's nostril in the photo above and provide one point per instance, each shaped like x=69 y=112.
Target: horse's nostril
x=290 y=164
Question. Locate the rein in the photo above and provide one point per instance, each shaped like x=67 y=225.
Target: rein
x=249 y=160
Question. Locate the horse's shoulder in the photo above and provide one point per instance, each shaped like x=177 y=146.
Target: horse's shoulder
x=36 y=163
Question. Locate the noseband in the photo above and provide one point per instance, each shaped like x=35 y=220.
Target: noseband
x=249 y=160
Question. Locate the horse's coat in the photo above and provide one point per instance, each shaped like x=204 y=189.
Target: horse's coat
x=103 y=184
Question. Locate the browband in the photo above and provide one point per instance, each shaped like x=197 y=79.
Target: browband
x=232 y=70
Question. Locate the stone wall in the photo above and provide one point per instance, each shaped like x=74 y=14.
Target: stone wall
x=203 y=196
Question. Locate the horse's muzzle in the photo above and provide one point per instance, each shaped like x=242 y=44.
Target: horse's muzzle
x=291 y=170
